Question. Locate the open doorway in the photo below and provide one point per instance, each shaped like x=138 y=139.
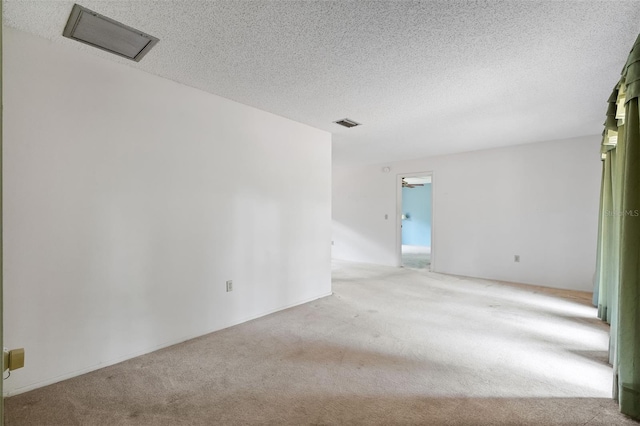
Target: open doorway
x=416 y=221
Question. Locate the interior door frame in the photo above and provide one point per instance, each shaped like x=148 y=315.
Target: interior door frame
x=399 y=177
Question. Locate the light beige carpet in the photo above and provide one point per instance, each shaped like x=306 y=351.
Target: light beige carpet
x=392 y=346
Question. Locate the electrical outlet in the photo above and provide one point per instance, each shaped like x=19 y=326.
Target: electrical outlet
x=13 y=359
x=516 y=258
x=229 y=286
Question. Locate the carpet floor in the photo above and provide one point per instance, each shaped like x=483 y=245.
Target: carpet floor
x=391 y=346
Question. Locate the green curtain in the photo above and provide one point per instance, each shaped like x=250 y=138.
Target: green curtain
x=600 y=284
x=617 y=286
x=608 y=262
x=600 y=252
x=618 y=159
x=628 y=327
x=607 y=269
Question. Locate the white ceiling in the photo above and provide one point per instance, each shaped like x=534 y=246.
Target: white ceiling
x=422 y=77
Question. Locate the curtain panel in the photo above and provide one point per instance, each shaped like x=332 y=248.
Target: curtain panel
x=617 y=283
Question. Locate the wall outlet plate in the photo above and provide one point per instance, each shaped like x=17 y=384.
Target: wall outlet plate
x=13 y=359
x=16 y=359
x=516 y=258
x=229 y=286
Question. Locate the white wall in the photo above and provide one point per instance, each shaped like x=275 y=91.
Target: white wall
x=130 y=200
x=539 y=201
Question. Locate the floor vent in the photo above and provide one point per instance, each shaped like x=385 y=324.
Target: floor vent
x=104 y=33
x=347 y=123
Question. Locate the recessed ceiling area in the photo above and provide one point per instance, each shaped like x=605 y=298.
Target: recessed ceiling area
x=427 y=78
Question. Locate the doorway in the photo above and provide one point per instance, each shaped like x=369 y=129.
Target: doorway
x=416 y=218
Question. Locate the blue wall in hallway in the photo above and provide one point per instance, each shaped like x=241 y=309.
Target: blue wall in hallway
x=416 y=202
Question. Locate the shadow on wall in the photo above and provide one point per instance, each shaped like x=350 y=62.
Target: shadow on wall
x=353 y=245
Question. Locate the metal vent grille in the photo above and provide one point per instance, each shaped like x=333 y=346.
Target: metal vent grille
x=347 y=123
x=104 y=33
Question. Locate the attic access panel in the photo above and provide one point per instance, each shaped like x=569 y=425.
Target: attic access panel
x=89 y=27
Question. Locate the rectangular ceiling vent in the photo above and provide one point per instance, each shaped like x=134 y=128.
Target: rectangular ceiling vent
x=347 y=123
x=104 y=33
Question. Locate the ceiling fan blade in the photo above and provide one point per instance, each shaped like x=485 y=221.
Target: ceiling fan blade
x=406 y=184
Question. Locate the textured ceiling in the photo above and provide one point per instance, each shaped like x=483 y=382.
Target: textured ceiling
x=423 y=78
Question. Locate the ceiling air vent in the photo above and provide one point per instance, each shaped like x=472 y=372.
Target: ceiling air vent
x=347 y=123
x=99 y=31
